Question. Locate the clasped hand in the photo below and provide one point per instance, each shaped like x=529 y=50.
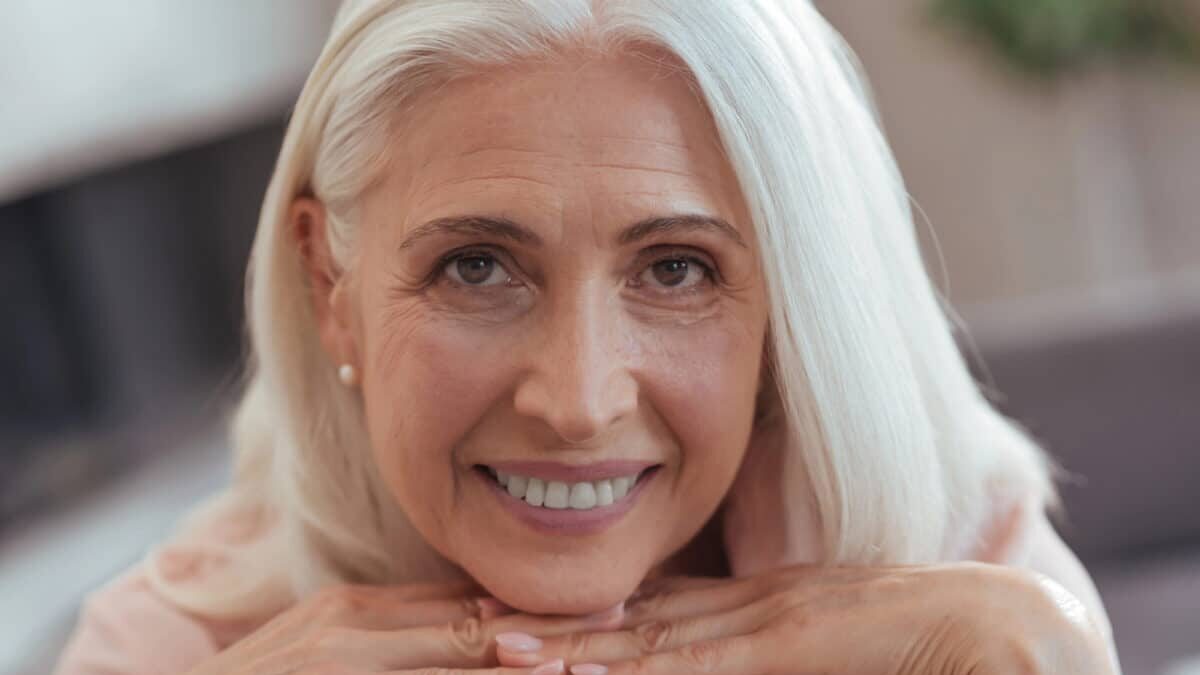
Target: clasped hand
x=949 y=619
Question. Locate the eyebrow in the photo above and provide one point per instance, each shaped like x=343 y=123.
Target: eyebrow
x=507 y=229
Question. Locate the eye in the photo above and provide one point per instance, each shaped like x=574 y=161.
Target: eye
x=476 y=269
x=675 y=273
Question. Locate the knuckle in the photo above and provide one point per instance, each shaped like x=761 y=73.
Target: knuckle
x=577 y=644
x=653 y=636
x=470 y=607
x=645 y=605
x=703 y=657
x=469 y=637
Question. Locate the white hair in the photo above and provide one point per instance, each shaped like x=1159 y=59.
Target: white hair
x=887 y=435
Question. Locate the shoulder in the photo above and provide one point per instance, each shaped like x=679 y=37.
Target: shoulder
x=141 y=622
x=126 y=628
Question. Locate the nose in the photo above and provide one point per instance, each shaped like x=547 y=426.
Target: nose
x=579 y=382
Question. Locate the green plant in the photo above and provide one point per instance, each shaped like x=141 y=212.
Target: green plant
x=1049 y=37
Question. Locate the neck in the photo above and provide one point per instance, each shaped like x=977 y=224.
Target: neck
x=703 y=556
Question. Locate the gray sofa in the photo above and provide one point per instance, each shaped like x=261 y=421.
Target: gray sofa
x=1121 y=412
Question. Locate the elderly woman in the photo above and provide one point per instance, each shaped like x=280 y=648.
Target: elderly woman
x=592 y=335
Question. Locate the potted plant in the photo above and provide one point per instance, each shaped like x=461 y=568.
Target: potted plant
x=1052 y=37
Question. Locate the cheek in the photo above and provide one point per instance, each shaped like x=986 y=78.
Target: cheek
x=427 y=386
x=703 y=385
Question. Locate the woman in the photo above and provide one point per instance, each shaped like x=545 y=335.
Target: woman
x=593 y=335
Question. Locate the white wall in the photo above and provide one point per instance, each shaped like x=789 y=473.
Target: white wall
x=87 y=85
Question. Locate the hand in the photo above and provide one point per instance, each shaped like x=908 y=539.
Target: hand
x=435 y=628
x=950 y=619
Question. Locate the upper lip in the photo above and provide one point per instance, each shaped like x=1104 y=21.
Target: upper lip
x=573 y=473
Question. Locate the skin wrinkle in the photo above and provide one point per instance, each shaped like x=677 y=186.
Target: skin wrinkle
x=488 y=178
x=631 y=167
x=583 y=356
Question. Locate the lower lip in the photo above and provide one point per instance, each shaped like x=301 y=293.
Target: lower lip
x=568 y=521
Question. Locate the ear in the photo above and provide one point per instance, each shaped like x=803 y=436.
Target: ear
x=331 y=301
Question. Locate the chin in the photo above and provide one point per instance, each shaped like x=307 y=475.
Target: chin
x=559 y=592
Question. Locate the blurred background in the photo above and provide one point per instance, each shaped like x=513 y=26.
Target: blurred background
x=1052 y=147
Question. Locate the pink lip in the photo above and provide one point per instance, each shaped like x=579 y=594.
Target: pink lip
x=574 y=473
x=567 y=521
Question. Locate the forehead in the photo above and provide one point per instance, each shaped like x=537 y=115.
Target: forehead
x=619 y=134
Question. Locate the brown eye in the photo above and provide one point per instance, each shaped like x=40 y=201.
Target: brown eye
x=476 y=270
x=676 y=273
x=671 y=272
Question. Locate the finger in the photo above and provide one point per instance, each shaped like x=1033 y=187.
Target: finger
x=693 y=597
x=346 y=600
x=468 y=643
x=544 y=626
x=387 y=616
x=647 y=638
x=740 y=655
x=679 y=583
x=434 y=590
x=554 y=668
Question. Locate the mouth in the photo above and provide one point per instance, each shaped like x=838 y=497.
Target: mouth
x=545 y=494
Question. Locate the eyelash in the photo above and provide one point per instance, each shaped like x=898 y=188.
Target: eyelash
x=438 y=273
x=709 y=269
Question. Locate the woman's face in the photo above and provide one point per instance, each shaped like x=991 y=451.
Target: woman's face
x=558 y=315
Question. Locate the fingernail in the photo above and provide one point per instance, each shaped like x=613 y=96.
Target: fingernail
x=554 y=667
x=520 y=642
x=588 y=669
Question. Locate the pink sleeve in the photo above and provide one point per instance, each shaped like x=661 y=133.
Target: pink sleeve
x=125 y=628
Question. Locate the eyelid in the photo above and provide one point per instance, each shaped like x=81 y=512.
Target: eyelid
x=502 y=258
x=656 y=254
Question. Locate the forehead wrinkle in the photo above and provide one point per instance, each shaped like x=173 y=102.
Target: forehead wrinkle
x=643 y=140
x=490 y=147
x=497 y=178
x=653 y=169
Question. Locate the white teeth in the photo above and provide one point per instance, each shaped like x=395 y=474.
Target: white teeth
x=557 y=495
x=604 y=493
x=561 y=495
x=583 y=496
x=517 y=486
x=621 y=486
x=535 y=494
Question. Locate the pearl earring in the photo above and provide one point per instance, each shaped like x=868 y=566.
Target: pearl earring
x=347 y=375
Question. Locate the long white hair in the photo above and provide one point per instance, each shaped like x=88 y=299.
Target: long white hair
x=888 y=439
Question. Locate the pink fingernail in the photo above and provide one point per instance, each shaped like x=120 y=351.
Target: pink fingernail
x=554 y=667
x=519 y=642
x=588 y=669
